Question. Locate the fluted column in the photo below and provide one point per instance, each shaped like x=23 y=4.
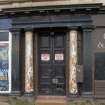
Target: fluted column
x=72 y=61
x=87 y=60
x=16 y=83
x=29 y=88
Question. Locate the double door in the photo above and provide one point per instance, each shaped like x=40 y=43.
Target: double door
x=51 y=70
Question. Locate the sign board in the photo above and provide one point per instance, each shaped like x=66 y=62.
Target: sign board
x=59 y=56
x=4 y=67
x=45 y=57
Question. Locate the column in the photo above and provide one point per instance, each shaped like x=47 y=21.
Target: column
x=29 y=87
x=72 y=61
x=87 y=60
x=15 y=61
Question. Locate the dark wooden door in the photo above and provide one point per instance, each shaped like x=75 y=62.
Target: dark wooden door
x=51 y=72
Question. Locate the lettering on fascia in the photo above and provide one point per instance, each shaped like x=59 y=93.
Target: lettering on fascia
x=100 y=43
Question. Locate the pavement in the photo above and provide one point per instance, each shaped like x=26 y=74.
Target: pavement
x=4 y=103
x=31 y=101
x=12 y=100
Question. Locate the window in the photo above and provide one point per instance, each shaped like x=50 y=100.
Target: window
x=100 y=66
x=5 y=61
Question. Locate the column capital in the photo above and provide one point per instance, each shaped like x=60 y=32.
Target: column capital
x=88 y=28
x=15 y=29
x=73 y=28
x=28 y=29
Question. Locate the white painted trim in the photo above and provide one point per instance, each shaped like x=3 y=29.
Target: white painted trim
x=47 y=3
x=4 y=41
x=4 y=30
x=10 y=59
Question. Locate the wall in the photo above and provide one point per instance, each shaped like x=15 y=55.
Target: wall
x=33 y=3
x=98 y=42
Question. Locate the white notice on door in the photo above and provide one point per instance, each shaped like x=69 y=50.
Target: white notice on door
x=59 y=56
x=45 y=57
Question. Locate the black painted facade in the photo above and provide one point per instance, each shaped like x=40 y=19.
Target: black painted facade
x=80 y=17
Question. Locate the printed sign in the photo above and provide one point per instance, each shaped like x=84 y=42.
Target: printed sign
x=45 y=57
x=4 y=81
x=59 y=56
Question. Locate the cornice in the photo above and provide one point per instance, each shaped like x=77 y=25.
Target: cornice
x=33 y=3
x=72 y=7
x=96 y=8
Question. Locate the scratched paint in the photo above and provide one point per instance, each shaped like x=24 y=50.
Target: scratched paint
x=73 y=62
x=28 y=62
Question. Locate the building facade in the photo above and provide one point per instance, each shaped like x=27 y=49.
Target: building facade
x=52 y=47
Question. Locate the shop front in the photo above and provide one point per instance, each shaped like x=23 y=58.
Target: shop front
x=52 y=52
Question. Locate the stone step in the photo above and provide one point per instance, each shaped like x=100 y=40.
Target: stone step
x=50 y=100
x=3 y=98
x=4 y=103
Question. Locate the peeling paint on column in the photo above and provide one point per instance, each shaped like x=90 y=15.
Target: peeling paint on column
x=73 y=62
x=29 y=62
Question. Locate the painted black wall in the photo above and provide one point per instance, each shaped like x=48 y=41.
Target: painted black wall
x=87 y=60
x=41 y=21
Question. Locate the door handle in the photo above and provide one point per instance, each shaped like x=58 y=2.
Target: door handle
x=55 y=81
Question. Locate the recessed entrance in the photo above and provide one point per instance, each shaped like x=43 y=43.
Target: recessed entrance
x=51 y=72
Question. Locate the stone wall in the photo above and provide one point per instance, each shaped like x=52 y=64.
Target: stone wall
x=71 y=1
x=33 y=3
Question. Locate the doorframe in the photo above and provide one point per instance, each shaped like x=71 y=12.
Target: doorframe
x=36 y=57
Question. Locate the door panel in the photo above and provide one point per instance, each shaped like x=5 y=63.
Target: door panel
x=100 y=66
x=52 y=63
x=59 y=40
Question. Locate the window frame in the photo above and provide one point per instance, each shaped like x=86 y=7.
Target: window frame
x=10 y=59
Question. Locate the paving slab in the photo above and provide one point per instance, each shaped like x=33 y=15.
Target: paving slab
x=4 y=103
x=3 y=98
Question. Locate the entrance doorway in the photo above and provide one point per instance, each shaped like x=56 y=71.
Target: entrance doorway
x=51 y=70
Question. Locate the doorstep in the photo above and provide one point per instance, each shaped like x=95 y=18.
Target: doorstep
x=3 y=98
x=51 y=100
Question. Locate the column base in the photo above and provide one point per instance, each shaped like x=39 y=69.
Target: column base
x=29 y=94
x=83 y=94
x=87 y=94
x=15 y=93
x=73 y=95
